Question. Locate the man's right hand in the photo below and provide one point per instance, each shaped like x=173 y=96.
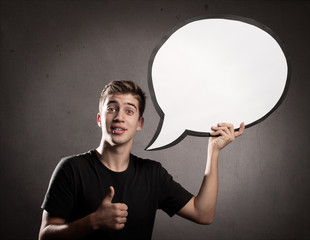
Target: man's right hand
x=110 y=216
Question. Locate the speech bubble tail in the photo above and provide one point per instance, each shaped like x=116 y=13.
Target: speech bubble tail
x=153 y=146
x=165 y=137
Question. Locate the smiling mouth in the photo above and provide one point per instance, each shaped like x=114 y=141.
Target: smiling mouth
x=118 y=130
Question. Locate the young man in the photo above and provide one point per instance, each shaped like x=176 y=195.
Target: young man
x=108 y=193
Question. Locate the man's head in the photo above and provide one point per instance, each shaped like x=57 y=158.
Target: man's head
x=123 y=87
x=121 y=107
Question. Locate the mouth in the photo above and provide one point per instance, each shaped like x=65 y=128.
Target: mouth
x=118 y=130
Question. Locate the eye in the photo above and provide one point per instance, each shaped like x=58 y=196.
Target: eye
x=130 y=112
x=111 y=109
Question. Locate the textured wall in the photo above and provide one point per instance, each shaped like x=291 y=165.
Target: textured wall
x=57 y=55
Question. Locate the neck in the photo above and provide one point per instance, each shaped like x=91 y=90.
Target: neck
x=116 y=158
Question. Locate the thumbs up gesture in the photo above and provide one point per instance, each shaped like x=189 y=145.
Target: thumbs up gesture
x=110 y=216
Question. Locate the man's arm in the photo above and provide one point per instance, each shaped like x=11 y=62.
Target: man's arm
x=57 y=228
x=109 y=216
x=201 y=209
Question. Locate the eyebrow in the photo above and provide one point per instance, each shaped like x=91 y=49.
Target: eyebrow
x=127 y=103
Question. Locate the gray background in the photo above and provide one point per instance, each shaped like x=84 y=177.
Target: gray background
x=57 y=55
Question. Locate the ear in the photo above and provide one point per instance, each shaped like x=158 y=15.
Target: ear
x=140 y=123
x=99 y=120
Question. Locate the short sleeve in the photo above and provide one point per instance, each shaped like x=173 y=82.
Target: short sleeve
x=59 y=198
x=172 y=196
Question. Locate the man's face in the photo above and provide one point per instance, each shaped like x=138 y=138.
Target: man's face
x=119 y=119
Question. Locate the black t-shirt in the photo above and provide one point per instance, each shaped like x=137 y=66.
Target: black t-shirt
x=80 y=183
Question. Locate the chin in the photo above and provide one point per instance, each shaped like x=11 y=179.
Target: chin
x=117 y=142
x=120 y=141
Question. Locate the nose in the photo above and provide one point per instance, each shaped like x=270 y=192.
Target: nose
x=119 y=116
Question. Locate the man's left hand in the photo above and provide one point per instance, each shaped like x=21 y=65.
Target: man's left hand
x=224 y=134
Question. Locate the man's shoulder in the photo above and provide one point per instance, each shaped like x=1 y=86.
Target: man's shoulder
x=77 y=159
x=78 y=156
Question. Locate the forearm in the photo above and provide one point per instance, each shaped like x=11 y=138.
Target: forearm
x=201 y=209
x=205 y=202
x=74 y=230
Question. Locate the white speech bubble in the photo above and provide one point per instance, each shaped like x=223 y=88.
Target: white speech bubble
x=212 y=70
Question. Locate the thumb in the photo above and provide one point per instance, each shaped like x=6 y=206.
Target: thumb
x=110 y=195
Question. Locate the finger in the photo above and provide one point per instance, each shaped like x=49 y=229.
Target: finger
x=224 y=129
x=121 y=206
x=214 y=133
x=110 y=195
x=121 y=214
x=120 y=223
x=119 y=226
x=229 y=126
x=124 y=214
x=241 y=130
x=122 y=220
x=218 y=133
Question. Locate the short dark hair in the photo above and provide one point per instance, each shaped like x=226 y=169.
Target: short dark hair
x=123 y=87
